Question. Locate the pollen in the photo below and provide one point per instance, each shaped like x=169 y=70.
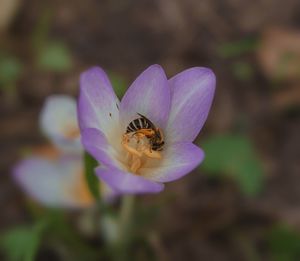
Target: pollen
x=138 y=150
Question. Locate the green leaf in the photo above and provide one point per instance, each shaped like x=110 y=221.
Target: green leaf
x=10 y=70
x=42 y=28
x=287 y=61
x=234 y=49
x=91 y=178
x=55 y=57
x=119 y=84
x=284 y=243
x=234 y=156
x=22 y=243
x=242 y=70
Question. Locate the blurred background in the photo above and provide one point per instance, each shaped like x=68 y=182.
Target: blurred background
x=243 y=202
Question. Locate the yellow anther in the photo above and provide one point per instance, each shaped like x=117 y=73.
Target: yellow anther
x=136 y=164
x=128 y=148
x=132 y=150
x=139 y=150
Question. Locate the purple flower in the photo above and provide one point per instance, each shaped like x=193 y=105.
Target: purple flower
x=54 y=174
x=54 y=182
x=146 y=139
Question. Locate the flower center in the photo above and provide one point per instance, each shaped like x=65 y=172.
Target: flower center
x=71 y=132
x=139 y=148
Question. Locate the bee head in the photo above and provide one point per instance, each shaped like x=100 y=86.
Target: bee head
x=157 y=146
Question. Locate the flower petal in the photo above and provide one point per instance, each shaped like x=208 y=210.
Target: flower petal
x=127 y=183
x=192 y=93
x=97 y=145
x=98 y=103
x=58 y=120
x=54 y=183
x=178 y=160
x=149 y=95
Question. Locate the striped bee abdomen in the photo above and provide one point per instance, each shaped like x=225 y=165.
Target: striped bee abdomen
x=143 y=127
x=137 y=124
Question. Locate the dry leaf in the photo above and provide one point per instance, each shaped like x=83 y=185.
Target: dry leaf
x=279 y=54
x=8 y=9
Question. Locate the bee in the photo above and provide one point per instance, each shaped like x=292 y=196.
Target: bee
x=143 y=127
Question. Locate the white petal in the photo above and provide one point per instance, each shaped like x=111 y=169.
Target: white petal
x=58 y=121
x=177 y=160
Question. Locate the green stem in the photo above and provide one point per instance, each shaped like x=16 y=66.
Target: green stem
x=125 y=226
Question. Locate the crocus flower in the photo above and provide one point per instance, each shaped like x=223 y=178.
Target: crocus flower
x=133 y=160
x=58 y=122
x=54 y=174
x=54 y=181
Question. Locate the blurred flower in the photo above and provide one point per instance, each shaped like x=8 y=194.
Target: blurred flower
x=54 y=175
x=170 y=111
x=58 y=121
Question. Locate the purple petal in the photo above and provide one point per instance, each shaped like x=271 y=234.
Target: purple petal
x=149 y=95
x=127 y=183
x=192 y=93
x=97 y=145
x=178 y=160
x=54 y=183
x=98 y=104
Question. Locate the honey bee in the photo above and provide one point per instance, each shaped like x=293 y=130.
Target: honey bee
x=143 y=127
